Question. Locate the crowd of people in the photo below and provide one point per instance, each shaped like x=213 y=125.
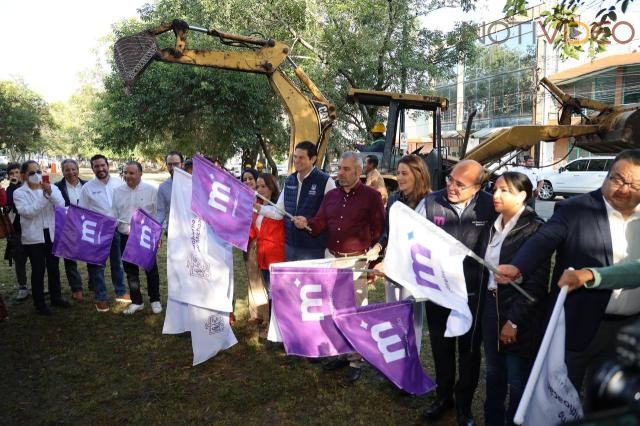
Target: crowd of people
x=312 y=218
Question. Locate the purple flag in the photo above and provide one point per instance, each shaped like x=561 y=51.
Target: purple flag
x=303 y=301
x=60 y=216
x=383 y=334
x=223 y=202
x=86 y=236
x=144 y=239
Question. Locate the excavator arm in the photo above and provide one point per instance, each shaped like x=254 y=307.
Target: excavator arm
x=610 y=129
x=310 y=118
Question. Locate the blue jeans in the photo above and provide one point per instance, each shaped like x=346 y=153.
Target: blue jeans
x=297 y=253
x=502 y=369
x=96 y=273
x=266 y=277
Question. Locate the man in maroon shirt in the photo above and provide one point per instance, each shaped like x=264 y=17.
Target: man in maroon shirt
x=353 y=216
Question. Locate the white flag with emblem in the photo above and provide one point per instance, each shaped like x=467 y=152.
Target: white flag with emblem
x=199 y=264
x=210 y=332
x=549 y=397
x=427 y=261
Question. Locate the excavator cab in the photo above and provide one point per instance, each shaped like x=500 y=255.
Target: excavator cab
x=398 y=104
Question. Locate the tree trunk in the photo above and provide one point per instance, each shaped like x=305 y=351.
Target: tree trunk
x=267 y=154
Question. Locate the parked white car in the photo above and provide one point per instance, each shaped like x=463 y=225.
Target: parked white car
x=577 y=177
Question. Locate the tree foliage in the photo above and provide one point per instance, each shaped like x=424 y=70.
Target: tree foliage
x=341 y=44
x=563 y=19
x=23 y=117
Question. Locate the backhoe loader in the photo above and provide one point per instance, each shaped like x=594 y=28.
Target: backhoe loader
x=310 y=119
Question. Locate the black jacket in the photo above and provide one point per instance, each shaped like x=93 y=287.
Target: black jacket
x=384 y=237
x=579 y=233
x=63 y=189
x=530 y=317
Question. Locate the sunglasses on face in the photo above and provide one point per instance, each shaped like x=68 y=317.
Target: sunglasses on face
x=33 y=172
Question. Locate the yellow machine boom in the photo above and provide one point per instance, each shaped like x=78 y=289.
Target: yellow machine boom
x=310 y=118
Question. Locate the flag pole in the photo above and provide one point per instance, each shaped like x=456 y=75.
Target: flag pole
x=281 y=211
x=537 y=365
x=495 y=271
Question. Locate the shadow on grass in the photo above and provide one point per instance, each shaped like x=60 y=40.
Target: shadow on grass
x=80 y=366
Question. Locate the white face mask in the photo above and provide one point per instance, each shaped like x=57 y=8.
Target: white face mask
x=35 y=179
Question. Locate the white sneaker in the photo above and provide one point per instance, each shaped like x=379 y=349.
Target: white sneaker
x=23 y=293
x=156 y=307
x=133 y=308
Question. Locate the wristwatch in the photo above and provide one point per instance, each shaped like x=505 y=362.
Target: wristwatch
x=515 y=327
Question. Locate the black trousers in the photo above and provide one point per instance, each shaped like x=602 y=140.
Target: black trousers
x=41 y=259
x=73 y=276
x=133 y=278
x=444 y=355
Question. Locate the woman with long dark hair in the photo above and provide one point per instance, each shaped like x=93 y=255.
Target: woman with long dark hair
x=269 y=234
x=512 y=325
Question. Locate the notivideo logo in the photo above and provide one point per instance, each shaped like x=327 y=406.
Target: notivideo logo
x=575 y=33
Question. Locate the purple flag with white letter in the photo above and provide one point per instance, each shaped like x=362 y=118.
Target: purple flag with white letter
x=223 y=202
x=86 y=236
x=60 y=216
x=144 y=238
x=384 y=335
x=303 y=301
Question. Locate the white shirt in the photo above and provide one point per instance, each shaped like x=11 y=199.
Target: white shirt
x=492 y=255
x=98 y=196
x=127 y=200
x=532 y=173
x=36 y=212
x=625 y=242
x=74 y=192
x=273 y=213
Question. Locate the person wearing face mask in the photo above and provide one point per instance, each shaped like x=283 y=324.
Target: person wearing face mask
x=512 y=325
x=70 y=187
x=35 y=201
x=258 y=300
x=14 y=252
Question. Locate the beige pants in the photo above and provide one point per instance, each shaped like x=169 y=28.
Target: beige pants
x=361 y=291
x=257 y=293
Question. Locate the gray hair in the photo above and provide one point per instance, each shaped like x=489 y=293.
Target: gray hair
x=67 y=161
x=356 y=158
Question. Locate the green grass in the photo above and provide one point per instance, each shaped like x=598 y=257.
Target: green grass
x=80 y=366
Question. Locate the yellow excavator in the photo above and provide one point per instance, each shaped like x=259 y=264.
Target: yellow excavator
x=609 y=129
x=310 y=118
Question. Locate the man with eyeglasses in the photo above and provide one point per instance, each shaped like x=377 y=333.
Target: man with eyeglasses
x=592 y=230
x=173 y=160
x=463 y=211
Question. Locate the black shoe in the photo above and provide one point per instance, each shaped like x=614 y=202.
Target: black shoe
x=60 y=303
x=464 y=417
x=437 y=408
x=44 y=310
x=353 y=374
x=336 y=363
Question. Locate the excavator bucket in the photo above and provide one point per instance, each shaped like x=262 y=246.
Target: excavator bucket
x=133 y=54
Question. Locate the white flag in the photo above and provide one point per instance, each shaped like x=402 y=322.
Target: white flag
x=210 y=332
x=428 y=262
x=549 y=397
x=274 y=334
x=199 y=264
x=175 y=317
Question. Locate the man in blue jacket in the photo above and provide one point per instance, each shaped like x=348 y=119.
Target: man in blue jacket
x=463 y=211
